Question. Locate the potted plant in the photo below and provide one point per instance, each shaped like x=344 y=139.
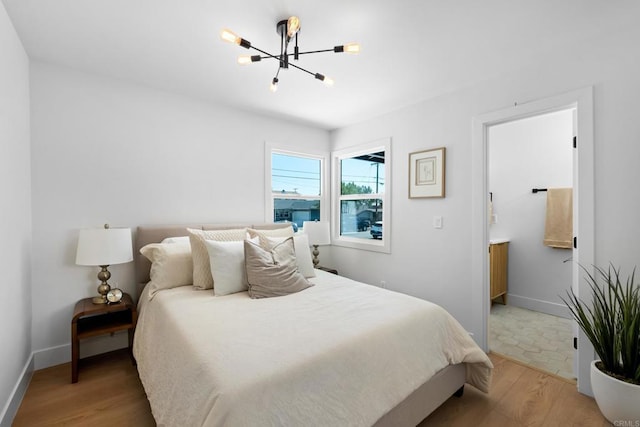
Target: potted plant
x=612 y=324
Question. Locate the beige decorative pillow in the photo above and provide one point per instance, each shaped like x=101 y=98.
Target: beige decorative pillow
x=303 y=254
x=202 y=278
x=264 y=234
x=171 y=265
x=273 y=272
x=180 y=239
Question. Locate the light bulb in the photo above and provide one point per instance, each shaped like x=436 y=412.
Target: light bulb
x=229 y=36
x=328 y=81
x=248 y=59
x=352 y=48
x=293 y=26
x=274 y=85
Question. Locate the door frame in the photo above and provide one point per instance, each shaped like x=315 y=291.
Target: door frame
x=583 y=202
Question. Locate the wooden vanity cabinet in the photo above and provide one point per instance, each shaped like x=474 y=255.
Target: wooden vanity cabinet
x=498 y=261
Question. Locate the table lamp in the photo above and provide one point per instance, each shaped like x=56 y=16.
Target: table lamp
x=104 y=247
x=319 y=234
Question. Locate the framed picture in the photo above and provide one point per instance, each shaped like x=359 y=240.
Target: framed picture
x=426 y=173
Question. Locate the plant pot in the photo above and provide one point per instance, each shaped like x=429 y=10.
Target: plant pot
x=617 y=400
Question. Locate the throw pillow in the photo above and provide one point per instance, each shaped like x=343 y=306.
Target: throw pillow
x=202 y=278
x=171 y=265
x=227 y=267
x=273 y=272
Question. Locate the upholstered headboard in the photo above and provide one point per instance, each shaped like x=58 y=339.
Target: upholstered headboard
x=156 y=233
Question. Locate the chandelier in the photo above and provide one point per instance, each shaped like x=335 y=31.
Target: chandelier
x=288 y=29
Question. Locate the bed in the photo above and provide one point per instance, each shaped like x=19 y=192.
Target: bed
x=337 y=353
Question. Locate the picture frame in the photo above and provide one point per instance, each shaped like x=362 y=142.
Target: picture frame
x=427 y=173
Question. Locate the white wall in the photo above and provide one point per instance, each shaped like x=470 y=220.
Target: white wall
x=532 y=153
x=436 y=264
x=15 y=212
x=109 y=151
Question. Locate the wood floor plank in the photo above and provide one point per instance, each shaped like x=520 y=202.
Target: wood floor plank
x=109 y=393
x=469 y=410
x=530 y=398
x=505 y=374
x=574 y=409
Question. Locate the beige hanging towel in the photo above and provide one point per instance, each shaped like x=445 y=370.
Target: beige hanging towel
x=558 y=230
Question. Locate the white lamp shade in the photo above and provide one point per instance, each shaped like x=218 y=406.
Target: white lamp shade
x=104 y=246
x=318 y=232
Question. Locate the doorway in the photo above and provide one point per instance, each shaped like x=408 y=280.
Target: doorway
x=528 y=321
x=583 y=224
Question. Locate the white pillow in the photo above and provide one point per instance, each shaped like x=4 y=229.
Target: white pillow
x=303 y=254
x=227 y=266
x=171 y=265
x=202 y=278
x=181 y=239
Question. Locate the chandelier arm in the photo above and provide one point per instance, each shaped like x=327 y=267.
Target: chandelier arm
x=302 y=69
x=316 y=51
x=268 y=55
x=284 y=43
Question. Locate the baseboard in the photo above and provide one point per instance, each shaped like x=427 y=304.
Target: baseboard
x=60 y=354
x=52 y=356
x=533 y=304
x=11 y=408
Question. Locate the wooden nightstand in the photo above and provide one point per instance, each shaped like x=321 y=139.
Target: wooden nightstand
x=90 y=320
x=327 y=269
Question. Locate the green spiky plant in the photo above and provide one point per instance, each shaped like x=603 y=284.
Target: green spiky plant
x=611 y=322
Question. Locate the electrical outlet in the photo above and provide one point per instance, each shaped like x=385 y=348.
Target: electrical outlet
x=383 y=284
x=437 y=222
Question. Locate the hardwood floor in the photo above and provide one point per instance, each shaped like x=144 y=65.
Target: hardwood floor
x=520 y=396
x=109 y=393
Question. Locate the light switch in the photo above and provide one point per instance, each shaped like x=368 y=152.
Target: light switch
x=437 y=222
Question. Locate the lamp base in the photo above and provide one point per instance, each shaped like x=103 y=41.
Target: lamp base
x=99 y=300
x=315 y=252
x=103 y=288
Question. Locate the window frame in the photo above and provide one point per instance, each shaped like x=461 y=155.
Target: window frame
x=324 y=196
x=383 y=245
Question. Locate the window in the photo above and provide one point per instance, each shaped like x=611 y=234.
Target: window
x=295 y=186
x=362 y=216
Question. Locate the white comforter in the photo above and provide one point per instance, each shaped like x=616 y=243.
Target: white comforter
x=338 y=353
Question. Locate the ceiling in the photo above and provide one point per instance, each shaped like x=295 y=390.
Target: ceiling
x=411 y=50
